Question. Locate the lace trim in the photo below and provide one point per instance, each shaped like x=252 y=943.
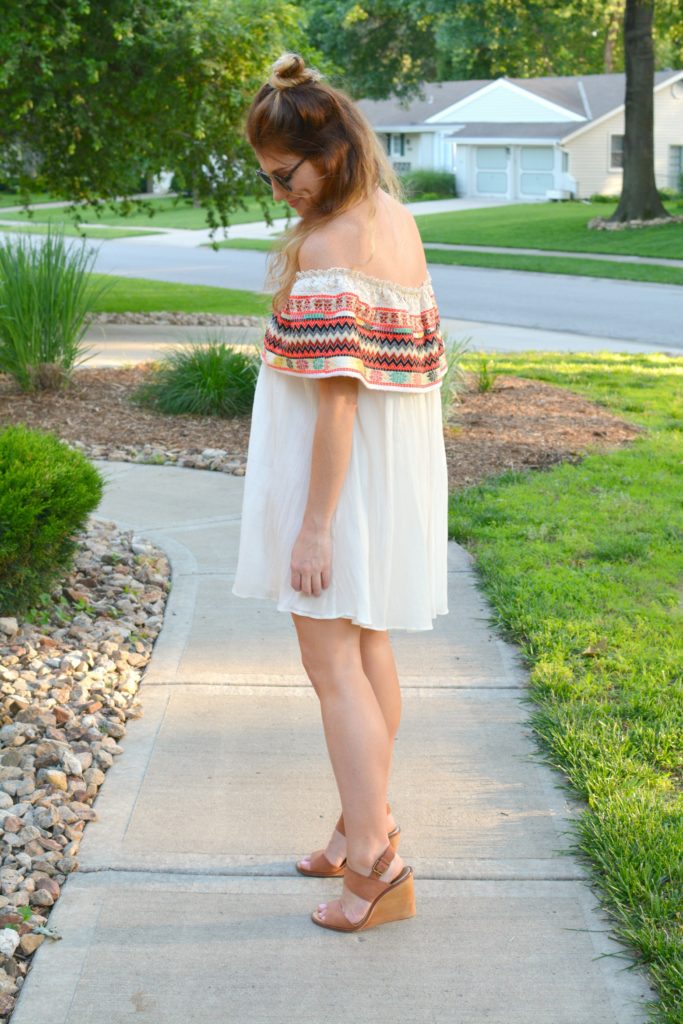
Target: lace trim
x=378 y=282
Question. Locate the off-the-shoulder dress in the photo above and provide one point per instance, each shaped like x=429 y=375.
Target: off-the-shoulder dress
x=390 y=527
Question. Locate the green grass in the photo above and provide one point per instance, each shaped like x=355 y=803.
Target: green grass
x=559 y=265
x=260 y=244
x=14 y=199
x=140 y=295
x=540 y=264
x=166 y=215
x=583 y=566
x=69 y=229
x=553 y=226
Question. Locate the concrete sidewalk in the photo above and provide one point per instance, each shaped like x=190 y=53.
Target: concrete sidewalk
x=187 y=906
x=120 y=344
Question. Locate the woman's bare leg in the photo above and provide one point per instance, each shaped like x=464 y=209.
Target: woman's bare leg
x=379 y=666
x=357 y=741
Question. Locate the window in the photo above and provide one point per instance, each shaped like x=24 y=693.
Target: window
x=676 y=167
x=616 y=152
x=565 y=162
x=397 y=147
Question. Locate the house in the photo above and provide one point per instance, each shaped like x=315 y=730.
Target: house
x=529 y=138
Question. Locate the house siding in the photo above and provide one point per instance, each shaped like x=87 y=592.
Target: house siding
x=589 y=154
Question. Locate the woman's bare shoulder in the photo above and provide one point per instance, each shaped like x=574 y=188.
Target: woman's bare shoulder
x=321 y=249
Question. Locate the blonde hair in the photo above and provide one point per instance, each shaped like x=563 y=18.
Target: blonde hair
x=298 y=112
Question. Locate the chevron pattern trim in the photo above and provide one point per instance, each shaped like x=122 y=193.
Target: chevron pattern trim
x=346 y=323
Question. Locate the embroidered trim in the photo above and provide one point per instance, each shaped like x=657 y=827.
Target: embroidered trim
x=339 y=321
x=381 y=283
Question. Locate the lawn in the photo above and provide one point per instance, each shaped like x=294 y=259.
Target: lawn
x=560 y=226
x=555 y=226
x=167 y=214
x=559 y=265
x=13 y=198
x=141 y=295
x=583 y=566
x=70 y=229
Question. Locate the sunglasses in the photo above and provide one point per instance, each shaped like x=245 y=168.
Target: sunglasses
x=282 y=182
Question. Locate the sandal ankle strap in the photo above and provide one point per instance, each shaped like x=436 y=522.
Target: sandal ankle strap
x=367 y=887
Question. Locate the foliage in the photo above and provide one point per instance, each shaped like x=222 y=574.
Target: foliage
x=422 y=183
x=210 y=380
x=46 y=294
x=47 y=490
x=96 y=96
x=380 y=47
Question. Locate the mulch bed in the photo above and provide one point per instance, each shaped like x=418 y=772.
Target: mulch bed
x=518 y=424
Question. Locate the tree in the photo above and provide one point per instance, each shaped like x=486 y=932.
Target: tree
x=389 y=47
x=639 y=196
x=96 y=96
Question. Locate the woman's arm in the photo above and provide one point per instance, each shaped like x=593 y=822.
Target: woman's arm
x=331 y=449
x=311 y=561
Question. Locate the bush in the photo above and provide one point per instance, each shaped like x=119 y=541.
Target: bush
x=46 y=294
x=47 y=491
x=210 y=380
x=668 y=194
x=597 y=197
x=439 y=184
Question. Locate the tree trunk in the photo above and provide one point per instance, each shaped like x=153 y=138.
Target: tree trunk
x=639 y=197
x=615 y=17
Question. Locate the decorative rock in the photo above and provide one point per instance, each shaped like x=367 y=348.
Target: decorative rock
x=47 y=883
x=9 y=625
x=10 y=880
x=42 y=898
x=9 y=940
x=29 y=943
x=11 y=823
x=71 y=764
x=601 y=224
x=54 y=777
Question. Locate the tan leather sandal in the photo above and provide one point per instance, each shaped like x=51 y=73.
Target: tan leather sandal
x=390 y=901
x=321 y=866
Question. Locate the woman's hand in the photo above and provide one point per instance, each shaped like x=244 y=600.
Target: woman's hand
x=311 y=562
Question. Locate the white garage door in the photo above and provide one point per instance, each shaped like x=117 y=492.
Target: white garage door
x=491 y=170
x=536 y=170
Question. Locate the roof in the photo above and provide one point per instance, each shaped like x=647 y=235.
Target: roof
x=516 y=129
x=588 y=96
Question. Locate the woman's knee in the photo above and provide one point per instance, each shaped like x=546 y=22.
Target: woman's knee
x=330 y=673
x=330 y=652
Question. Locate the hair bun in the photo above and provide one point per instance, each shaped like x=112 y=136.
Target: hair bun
x=289 y=70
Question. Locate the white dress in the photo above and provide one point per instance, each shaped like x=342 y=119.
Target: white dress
x=390 y=527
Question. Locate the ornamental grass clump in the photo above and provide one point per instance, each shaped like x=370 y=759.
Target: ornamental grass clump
x=46 y=296
x=211 y=379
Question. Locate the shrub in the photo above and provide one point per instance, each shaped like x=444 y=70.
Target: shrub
x=668 y=193
x=204 y=380
x=597 y=197
x=439 y=184
x=46 y=294
x=47 y=491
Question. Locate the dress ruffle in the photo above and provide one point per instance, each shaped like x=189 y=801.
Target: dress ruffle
x=343 y=322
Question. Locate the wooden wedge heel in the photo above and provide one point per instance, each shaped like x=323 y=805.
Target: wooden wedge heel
x=390 y=901
x=320 y=867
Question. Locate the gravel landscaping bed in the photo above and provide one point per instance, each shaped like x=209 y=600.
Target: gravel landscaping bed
x=67 y=690
x=182 y=319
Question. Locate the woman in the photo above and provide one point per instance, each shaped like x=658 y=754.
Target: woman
x=344 y=518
